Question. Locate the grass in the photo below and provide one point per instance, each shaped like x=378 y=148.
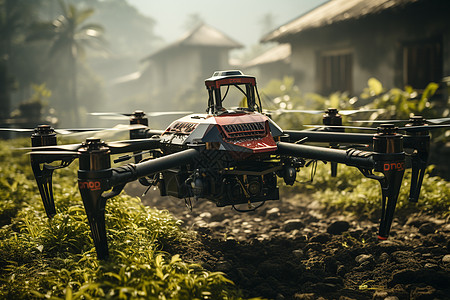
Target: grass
x=55 y=259
x=353 y=193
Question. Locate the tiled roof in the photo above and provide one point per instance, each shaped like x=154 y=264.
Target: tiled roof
x=202 y=35
x=332 y=12
x=280 y=52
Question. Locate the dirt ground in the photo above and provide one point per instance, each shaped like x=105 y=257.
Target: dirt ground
x=288 y=249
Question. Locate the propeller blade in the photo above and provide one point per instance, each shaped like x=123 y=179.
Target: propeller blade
x=432 y=121
x=422 y=127
x=439 y=120
x=51 y=156
x=318 y=112
x=67 y=147
x=125 y=116
x=56 y=153
x=77 y=130
x=110 y=114
x=355 y=111
x=124 y=146
x=133 y=145
x=168 y=113
x=59 y=131
x=342 y=127
x=17 y=129
x=378 y=121
x=405 y=128
x=103 y=132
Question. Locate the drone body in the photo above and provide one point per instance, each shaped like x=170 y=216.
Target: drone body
x=229 y=157
x=235 y=166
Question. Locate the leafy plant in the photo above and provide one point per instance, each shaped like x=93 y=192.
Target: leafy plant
x=42 y=258
x=399 y=103
x=353 y=193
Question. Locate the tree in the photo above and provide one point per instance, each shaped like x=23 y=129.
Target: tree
x=69 y=35
x=14 y=20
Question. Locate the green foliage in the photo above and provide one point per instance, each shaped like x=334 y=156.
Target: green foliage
x=353 y=193
x=399 y=103
x=396 y=103
x=284 y=94
x=42 y=258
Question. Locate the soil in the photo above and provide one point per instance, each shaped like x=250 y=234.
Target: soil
x=291 y=249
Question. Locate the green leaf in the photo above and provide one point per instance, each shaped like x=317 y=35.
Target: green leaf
x=375 y=86
x=430 y=90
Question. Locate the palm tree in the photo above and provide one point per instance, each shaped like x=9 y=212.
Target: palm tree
x=68 y=37
x=13 y=23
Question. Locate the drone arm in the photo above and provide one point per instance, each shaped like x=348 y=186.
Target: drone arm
x=392 y=165
x=131 y=172
x=349 y=157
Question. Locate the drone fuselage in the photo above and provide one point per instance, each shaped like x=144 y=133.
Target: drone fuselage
x=238 y=164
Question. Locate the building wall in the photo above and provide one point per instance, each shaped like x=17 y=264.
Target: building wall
x=181 y=71
x=376 y=43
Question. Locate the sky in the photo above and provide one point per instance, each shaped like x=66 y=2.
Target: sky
x=239 y=19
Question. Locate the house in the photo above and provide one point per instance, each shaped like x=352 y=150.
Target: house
x=273 y=63
x=181 y=67
x=341 y=44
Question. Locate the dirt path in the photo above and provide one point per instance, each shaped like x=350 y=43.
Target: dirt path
x=288 y=249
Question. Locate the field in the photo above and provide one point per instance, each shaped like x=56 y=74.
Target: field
x=317 y=241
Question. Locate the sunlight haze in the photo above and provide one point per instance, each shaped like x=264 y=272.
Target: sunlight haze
x=241 y=20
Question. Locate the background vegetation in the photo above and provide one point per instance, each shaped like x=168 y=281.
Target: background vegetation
x=75 y=47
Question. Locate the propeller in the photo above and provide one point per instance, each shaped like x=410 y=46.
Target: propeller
x=59 y=131
x=115 y=147
x=126 y=116
x=432 y=121
x=104 y=132
x=318 y=112
x=404 y=128
x=80 y=132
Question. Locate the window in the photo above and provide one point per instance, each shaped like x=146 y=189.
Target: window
x=422 y=63
x=335 y=71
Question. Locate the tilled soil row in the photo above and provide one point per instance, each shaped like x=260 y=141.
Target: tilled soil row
x=289 y=249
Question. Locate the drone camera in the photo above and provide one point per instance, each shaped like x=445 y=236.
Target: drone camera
x=289 y=174
x=196 y=184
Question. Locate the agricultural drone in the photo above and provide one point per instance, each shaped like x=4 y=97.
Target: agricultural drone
x=228 y=156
